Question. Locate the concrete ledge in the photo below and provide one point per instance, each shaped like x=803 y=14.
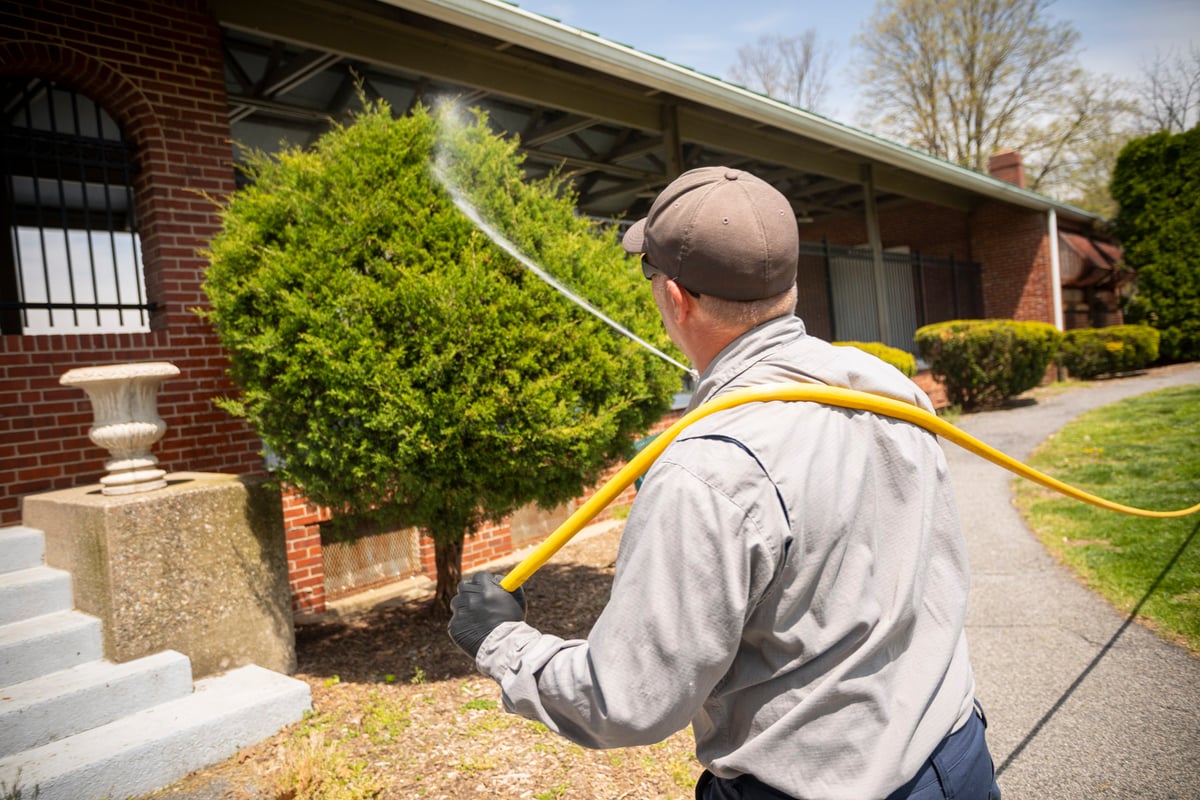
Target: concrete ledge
x=73 y=700
x=37 y=646
x=160 y=745
x=199 y=567
x=23 y=548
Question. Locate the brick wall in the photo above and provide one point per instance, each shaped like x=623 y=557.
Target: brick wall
x=156 y=68
x=1012 y=245
x=1008 y=241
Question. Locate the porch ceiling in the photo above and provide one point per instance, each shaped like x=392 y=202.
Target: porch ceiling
x=292 y=65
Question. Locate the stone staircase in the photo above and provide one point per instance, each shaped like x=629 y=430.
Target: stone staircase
x=74 y=726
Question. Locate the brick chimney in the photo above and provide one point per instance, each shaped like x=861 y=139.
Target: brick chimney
x=1006 y=165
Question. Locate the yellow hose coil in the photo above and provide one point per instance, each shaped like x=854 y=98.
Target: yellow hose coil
x=829 y=395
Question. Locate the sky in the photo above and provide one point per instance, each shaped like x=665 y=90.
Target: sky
x=1117 y=37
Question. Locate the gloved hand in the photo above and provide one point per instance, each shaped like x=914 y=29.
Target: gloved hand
x=480 y=605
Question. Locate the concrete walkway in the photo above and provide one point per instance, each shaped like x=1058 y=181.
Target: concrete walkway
x=1081 y=701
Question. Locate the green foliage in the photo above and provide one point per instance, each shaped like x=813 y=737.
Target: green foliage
x=898 y=358
x=1156 y=184
x=1088 y=352
x=1140 y=452
x=400 y=363
x=984 y=362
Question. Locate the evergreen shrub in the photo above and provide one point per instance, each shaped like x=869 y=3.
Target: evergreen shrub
x=1089 y=352
x=984 y=362
x=1156 y=183
x=401 y=364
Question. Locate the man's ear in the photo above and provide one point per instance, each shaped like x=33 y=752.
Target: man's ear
x=682 y=304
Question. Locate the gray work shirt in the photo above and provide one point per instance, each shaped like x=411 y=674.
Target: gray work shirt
x=792 y=581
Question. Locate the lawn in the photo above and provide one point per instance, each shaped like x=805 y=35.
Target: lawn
x=1143 y=452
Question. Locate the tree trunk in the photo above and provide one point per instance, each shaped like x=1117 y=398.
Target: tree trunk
x=448 y=556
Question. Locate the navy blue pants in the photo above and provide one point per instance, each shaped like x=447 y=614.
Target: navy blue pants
x=959 y=769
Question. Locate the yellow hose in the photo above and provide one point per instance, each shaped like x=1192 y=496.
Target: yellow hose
x=829 y=395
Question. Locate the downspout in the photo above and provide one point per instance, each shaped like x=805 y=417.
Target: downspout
x=1055 y=269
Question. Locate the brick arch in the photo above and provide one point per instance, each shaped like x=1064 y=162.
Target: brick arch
x=121 y=99
x=117 y=94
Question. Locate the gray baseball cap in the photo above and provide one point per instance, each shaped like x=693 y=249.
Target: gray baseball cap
x=721 y=232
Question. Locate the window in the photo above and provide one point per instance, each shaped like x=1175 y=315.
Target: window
x=70 y=258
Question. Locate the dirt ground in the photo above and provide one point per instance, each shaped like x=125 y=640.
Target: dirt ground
x=399 y=712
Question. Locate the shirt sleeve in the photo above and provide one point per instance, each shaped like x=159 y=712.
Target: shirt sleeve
x=700 y=547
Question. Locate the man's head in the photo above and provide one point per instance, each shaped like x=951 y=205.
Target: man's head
x=720 y=232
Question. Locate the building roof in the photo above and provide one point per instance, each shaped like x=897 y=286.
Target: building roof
x=619 y=122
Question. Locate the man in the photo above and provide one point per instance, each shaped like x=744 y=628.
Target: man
x=792 y=578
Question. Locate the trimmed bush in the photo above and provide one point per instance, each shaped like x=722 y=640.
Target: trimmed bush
x=892 y=355
x=984 y=362
x=399 y=362
x=1088 y=352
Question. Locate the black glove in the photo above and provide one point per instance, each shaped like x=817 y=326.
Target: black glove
x=480 y=605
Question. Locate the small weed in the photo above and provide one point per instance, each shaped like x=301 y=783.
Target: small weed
x=473 y=765
x=389 y=678
x=332 y=680
x=418 y=677
x=553 y=792
x=384 y=720
x=480 y=704
x=490 y=723
x=316 y=769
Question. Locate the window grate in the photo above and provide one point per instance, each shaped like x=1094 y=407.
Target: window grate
x=72 y=260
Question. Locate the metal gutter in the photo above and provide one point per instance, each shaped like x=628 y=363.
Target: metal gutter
x=511 y=23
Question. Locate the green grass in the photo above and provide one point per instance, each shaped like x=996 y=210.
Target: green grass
x=1143 y=452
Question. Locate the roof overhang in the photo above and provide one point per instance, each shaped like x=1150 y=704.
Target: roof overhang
x=621 y=122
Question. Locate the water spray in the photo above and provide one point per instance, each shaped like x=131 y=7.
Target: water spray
x=459 y=198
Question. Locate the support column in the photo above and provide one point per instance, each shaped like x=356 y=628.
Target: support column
x=876 y=244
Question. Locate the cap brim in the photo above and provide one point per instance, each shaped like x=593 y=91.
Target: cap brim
x=634 y=240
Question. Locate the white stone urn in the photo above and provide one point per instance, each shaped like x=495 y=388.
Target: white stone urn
x=125 y=404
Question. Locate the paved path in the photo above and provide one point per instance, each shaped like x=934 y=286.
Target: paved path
x=1081 y=702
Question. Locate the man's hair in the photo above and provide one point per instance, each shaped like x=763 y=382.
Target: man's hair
x=747 y=314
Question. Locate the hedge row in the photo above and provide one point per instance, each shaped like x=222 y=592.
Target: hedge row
x=986 y=362
x=983 y=362
x=900 y=359
x=1089 y=352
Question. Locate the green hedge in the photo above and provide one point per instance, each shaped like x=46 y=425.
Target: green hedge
x=1154 y=182
x=901 y=360
x=984 y=362
x=1088 y=352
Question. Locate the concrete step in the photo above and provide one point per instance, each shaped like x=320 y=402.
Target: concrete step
x=38 y=646
x=21 y=548
x=64 y=703
x=158 y=746
x=32 y=592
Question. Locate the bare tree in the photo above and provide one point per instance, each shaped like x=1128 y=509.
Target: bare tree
x=1170 y=91
x=1071 y=154
x=961 y=79
x=793 y=69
